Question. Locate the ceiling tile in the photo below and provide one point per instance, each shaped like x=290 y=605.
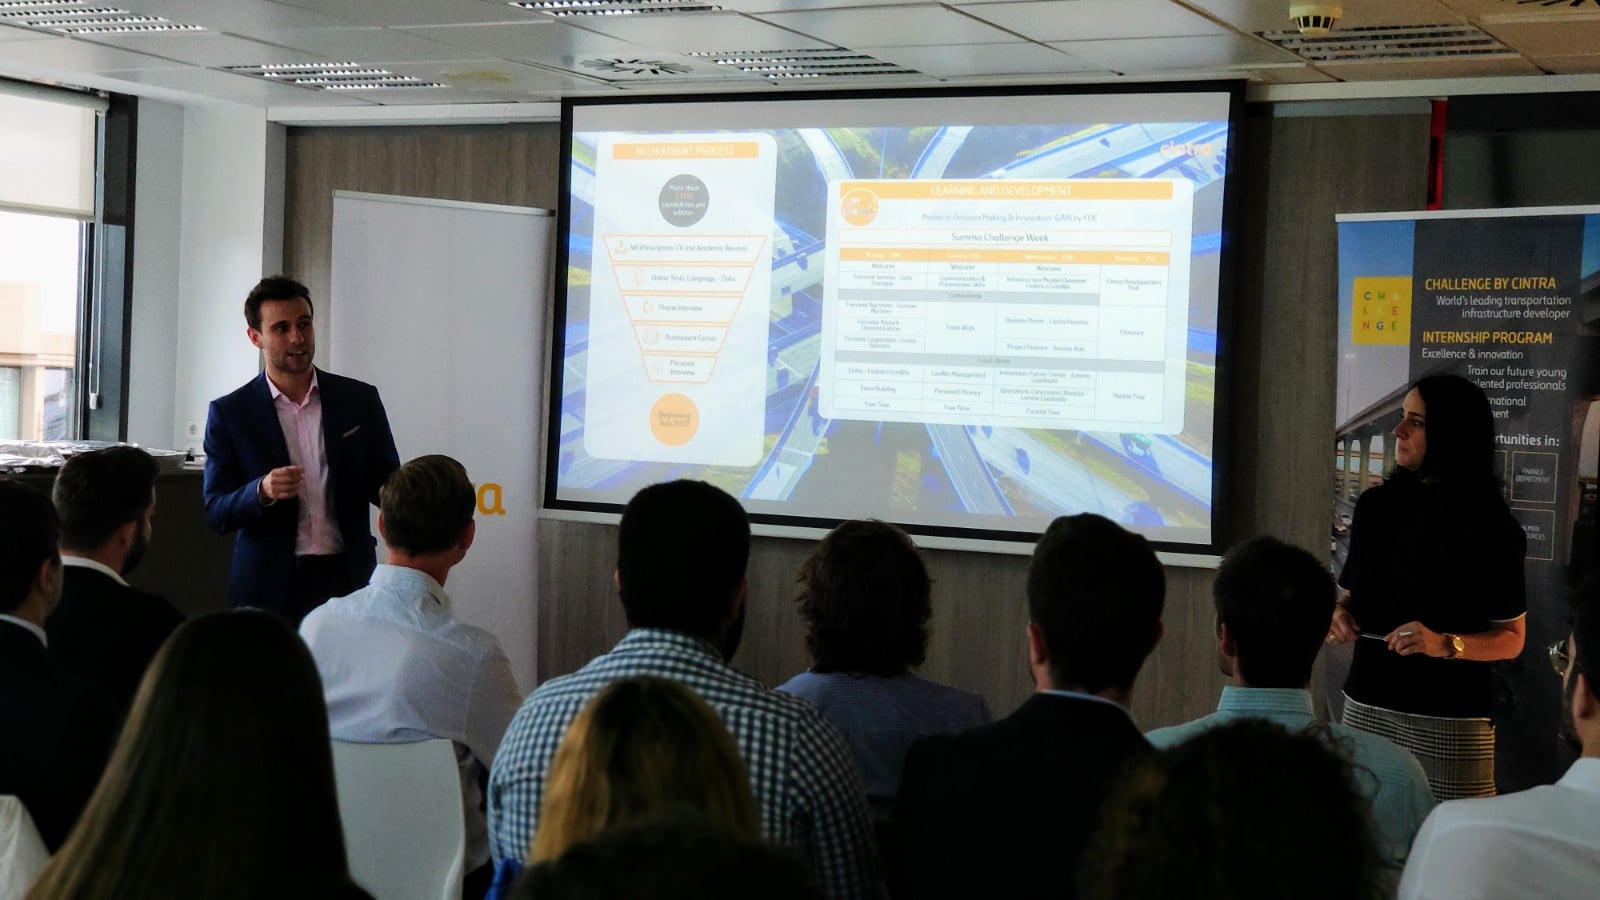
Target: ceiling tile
x=539 y=41
x=899 y=26
x=1255 y=16
x=1570 y=65
x=1170 y=54
x=224 y=86
x=13 y=33
x=1291 y=75
x=495 y=79
x=766 y=6
x=957 y=60
x=407 y=13
x=78 y=56
x=246 y=17
x=1052 y=20
x=1564 y=36
x=699 y=31
x=375 y=46
x=1429 y=68
x=203 y=48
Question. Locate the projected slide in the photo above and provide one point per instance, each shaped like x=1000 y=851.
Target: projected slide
x=966 y=315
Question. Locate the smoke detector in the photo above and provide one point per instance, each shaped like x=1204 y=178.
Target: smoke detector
x=1314 y=18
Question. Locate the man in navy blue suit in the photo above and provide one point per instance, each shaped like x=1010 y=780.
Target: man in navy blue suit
x=293 y=458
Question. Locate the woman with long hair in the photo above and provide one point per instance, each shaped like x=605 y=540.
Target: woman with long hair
x=221 y=784
x=642 y=745
x=1434 y=590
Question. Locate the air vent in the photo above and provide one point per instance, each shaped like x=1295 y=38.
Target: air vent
x=779 y=65
x=1391 y=42
x=636 y=67
x=565 y=8
x=343 y=76
x=78 y=17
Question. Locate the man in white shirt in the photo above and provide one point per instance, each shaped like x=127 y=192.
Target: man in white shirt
x=396 y=666
x=1542 y=842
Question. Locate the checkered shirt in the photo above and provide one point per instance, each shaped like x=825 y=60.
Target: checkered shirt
x=810 y=796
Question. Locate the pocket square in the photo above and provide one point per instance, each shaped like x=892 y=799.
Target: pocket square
x=350 y=432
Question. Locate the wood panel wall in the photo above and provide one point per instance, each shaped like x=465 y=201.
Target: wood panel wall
x=1298 y=172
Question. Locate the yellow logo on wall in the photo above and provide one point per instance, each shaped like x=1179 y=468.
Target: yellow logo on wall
x=1382 y=311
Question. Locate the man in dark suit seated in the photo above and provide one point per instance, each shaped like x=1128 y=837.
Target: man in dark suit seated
x=293 y=459
x=104 y=629
x=56 y=729
x=1006 y=810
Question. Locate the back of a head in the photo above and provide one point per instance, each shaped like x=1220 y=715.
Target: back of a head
x=222 y=781
x=427 y=505
x=681 y=553
x=1243 y=811
x=1096 y=590
x=1460 y=432
x=1586 y=633
x=639 y=746
x=1276 y=600
x=98 y=492
x=865 y=597
x=672 y=856
x=28 y=537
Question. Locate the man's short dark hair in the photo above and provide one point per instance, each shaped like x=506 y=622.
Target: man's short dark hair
x=864 y=594
x=1096 y=591
x=427 y=505
x=681 y=553
x=1276 y=600
x=273 y=287
x=28 y=536
x=98 y=492
x=1586 y=634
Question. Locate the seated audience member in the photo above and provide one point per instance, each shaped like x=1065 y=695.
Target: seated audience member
x=865 y=599
x=642 y=745
x=669 y=857
x=1541 y=842
x=681 y=555
x=104 y=629
x=56 y=729
x=1245 y=811
x=397 y=666
x=222 y=782
x=1005 y=810
x=1273 y=601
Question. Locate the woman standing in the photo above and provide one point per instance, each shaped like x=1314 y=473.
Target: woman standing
x=1434 y=590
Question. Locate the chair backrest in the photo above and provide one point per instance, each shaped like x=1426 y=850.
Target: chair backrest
x=22 y=852
x=403 y=828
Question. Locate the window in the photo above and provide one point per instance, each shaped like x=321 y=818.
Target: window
x=48 y=143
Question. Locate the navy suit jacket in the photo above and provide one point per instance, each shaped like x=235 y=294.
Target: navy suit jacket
x=1007 y=810
x=244 y=441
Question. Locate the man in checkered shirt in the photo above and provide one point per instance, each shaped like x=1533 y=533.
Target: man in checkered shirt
x=681 y=558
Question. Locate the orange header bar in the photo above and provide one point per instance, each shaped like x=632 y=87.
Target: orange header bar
x=991 y=189
x=1049 y=257
x=687 y=150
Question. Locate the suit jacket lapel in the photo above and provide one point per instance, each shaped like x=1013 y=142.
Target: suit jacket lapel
x=263 y=412
x=333 y=428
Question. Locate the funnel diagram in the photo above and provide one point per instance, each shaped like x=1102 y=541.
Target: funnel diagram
x=680 y=298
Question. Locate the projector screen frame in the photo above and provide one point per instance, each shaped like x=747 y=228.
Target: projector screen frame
x=926 y=535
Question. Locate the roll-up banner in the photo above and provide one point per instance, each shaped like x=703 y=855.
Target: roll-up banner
x=1511 y=300
x=442 y=305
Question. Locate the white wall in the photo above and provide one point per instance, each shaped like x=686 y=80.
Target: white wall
x=158 y=217
x=230 y=235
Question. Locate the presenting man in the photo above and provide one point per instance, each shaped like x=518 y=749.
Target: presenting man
x=293 y=458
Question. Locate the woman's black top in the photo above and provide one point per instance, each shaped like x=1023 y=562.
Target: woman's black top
x=1449 y=560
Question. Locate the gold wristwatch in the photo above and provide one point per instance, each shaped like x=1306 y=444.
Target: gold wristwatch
x=1453 y=646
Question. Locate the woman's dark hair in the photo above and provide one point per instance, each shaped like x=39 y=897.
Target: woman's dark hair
x=1245 y=810
x=864 y=594
x=221 y=784
x=1460 y=433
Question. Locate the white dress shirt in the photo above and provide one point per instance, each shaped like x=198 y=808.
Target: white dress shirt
x=318 y=534
x=37 y=631
x=1542 y=842
x=84 y=562
x=396 y=666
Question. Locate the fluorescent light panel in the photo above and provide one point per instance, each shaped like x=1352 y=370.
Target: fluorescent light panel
x=77 y=17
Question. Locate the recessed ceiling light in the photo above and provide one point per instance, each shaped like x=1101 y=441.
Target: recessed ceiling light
x=333 y=76
x=77 y=17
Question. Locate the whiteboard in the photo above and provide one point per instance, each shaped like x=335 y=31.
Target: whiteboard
x=442 y=305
